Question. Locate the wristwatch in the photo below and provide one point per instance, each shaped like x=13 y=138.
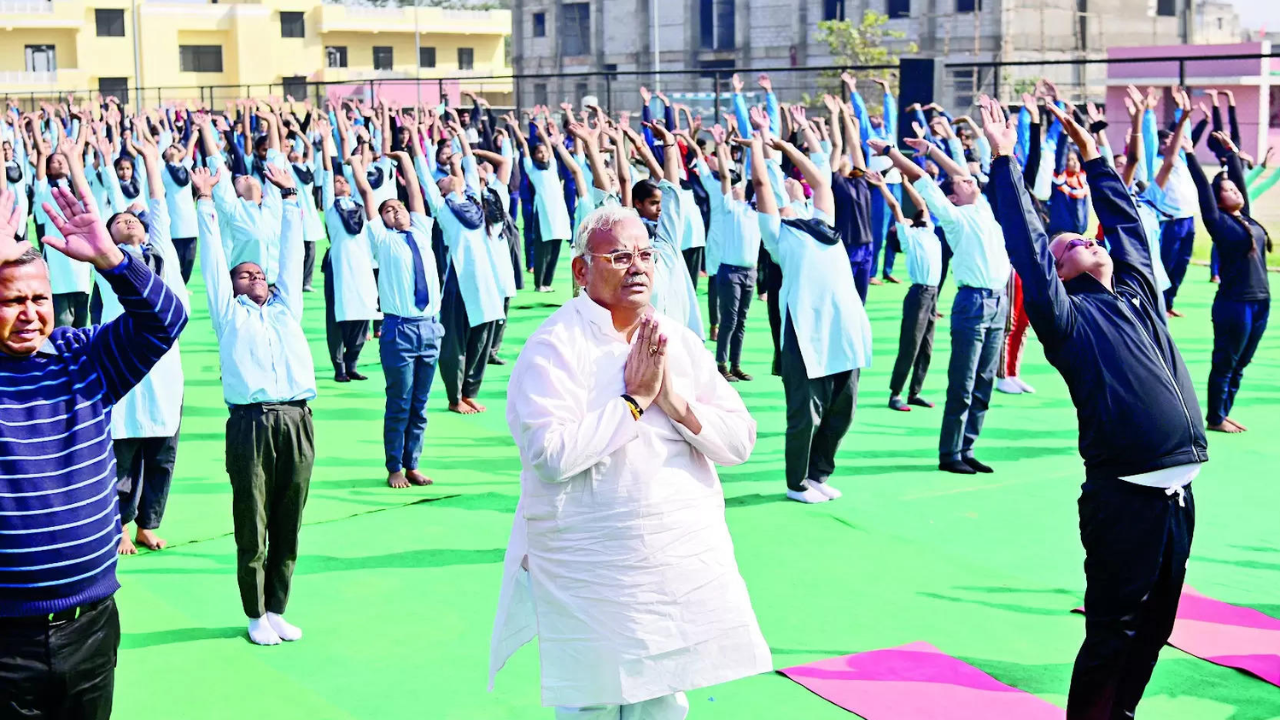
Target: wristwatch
x=288 y=193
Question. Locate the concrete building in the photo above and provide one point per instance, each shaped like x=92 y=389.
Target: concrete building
x=218 y=51
x=611 y=38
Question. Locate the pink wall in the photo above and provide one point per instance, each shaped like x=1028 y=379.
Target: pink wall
x=1196 y=65
x=404 y=93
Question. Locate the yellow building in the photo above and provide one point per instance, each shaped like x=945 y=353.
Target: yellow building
x=220 y=51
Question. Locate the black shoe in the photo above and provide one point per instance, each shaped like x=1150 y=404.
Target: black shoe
x=495 y=360
x=737 y=372
x=356 y=376
x=977 y=465
x=919 y=402
x=895 y=403
x=724 y=371
x=958 y=467
x=341 y=377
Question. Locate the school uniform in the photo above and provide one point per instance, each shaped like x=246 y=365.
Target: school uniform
x=919 y=308
x=673 y=294
x=733 y=248
x=70 y=280
x=305 y=175
x=1178 y=230
x=552 y=217
x=350 y=285
x=250 y=231
x=182 y=213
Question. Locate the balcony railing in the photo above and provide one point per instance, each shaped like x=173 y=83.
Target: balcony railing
x=25 y=6
x=26 y=77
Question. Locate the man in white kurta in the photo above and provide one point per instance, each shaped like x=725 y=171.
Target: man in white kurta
x=620 y=558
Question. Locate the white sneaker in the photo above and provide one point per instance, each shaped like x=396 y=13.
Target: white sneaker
x=826 y=489
x=1025 y=387
x=809 y=496
x=1009 y=386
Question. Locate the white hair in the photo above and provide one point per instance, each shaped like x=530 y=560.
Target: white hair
x=602 y=218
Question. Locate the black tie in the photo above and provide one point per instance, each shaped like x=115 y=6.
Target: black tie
x=421 y=296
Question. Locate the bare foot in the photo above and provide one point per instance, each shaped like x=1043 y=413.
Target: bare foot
x=1239 y=425
x=462 y=408
x=149 y=540
x=416 y=477
x=472 y=402
x=1174 y=313
x=126 y=546
x=398 y=480
x=1225 y=427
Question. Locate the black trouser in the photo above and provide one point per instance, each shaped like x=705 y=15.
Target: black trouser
x=500 y=328
x=1136 y=543
x=344 y=337
x=1238 y=326
x=95 y=306
x=71 y=309
x=713 y=301
x=819 y=413
x=464 y=352
x=544 y=261
x=144 y=470
x=377 y=324
x=62 y=669
x=270 y=453
x=734 y=285
x=308 y=263
x=915 y=339
x=693 y=262
x=186 y=248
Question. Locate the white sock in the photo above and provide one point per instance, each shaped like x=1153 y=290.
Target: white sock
x=826 y=489
x=1023 y=384
x=808 y=496
x=1009 y=386
x=287 y=632
x=260 y=632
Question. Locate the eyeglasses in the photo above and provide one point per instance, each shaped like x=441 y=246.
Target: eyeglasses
x=1072 y=245
x=623 y=259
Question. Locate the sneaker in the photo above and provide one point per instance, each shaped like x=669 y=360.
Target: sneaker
x=1009 y=386
x=495 y=360
x=895 y=403
x=977 y=465
x=919 y=402
x=308 y=288
x=808 y=496
x=958 y=467
x=1022 y=384
x=737 y=372
x=826 y=489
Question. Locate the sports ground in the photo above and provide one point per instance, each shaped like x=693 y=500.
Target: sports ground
x=396 y=589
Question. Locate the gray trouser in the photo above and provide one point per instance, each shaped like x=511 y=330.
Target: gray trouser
x=71 y=309
x=733 y=287
x=915 y=339
x=977 y=332
x=819 y=413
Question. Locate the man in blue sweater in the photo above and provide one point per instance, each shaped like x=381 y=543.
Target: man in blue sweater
x=1099 y=319
x=59 y=520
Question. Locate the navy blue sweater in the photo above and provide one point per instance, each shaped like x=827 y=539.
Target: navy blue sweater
x=1134 y=399
x=59 y=518
x=1241 y=241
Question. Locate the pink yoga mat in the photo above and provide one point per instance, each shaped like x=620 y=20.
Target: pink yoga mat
x=917 y=682
x=1227 y=635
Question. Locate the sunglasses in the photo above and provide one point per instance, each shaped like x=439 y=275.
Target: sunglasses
x=623 y=259
x=1072 y=245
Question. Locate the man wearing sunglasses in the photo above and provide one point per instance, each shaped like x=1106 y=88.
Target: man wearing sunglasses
x=1099 y=318
x=619 y=558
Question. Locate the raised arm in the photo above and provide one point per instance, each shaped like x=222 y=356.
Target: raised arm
x=877 y=180
x=819 y=182
x=289 y=279
x=1179 y=132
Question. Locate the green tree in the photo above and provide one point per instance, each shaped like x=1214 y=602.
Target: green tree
x=860 y=43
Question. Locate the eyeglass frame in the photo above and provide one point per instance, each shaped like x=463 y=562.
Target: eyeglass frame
x=635 y=257
x=1072 y=244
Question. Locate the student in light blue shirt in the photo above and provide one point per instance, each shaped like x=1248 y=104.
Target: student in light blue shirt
x=978 y=314
x=307 y=174
x=409 y=288
x=178 y=161
x=826 y=337
x=267 y=380
x=551 y=211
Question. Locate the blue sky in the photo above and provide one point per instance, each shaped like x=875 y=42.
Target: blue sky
x=1259 y=13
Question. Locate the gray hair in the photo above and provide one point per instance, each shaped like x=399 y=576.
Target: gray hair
x=602 y=218
x=28 y=256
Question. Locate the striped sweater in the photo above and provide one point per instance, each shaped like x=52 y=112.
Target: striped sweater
x=59 y=518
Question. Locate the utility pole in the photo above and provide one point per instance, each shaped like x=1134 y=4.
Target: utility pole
x=653 y=16
x=137 y=64
x=417 y=55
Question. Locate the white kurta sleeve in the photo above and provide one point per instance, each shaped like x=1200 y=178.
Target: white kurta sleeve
x=558 y=436
x=728 y=430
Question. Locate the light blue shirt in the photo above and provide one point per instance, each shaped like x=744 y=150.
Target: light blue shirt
x=1178 y=197
x=355 y=292
x=924 y=253
x=396 y=266
x=819 y=297
x=312 y=224
x=734 y=237
x=979 y=260
x=470 y=256
x=182 y=205
x=65 y=275
x=673 y=294
x=263 y=351
x=254 y=227
x=553 y=214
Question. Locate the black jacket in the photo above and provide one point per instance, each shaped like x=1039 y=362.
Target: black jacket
x=1134 y=399
x=1241 y=241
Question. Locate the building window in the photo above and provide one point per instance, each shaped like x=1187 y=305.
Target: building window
x=116 y=87
x=833 y=10
x=539 y=93
x=295 y=86
x=712 y=69
x=335 y=56
x=466 y=59
x=539 y=24
x=41 y=58
x=580 y=91
x=898 y=8
x=427 y=57
x=717 y=18
x=968 y=6
x=110 y=22
x=382 y=58
x=1166 y=8
x=1082 y=23
x=200 y=58
x=575 y=29
x=292 y=25
x=964 y=87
